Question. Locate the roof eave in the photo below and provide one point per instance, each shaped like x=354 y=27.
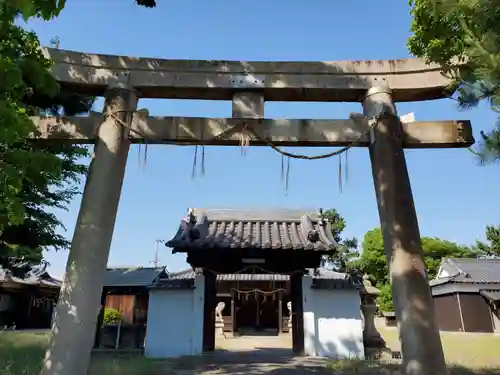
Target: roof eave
x=185 y=249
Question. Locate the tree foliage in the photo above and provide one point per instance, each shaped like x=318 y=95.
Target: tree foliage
x=373 y=261
x=384 y=299
x=491 y=249
x=147 y=3
x=465 y=34
x=341 y=260
x=35 y=176
x=436 y=249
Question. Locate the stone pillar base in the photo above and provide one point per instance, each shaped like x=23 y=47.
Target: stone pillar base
x=371 y=336
x=374 y=341
x=219 y=329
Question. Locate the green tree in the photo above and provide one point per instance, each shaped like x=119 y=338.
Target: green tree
x=373 y=260
x=384 y=299
x=22 y=68
x=341 y=260
x=436 y=249
x=463 y=36
x=493 y=237
x=37 y=176
x=38 y=229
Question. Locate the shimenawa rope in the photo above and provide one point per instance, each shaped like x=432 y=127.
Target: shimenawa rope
x=245 y=139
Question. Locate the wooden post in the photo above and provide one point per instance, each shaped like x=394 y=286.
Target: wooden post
x=420 y=341
x=73 y=333
x=233 y=313
x=297 y=313
x=257 y=310
x=118 y=334
x=209 y=311
x=280 y=313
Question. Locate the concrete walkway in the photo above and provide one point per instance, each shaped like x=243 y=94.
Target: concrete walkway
x=260 y=362
x=249 y=355
x=253 y=343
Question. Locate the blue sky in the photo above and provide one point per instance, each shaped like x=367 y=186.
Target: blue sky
x=453 y=195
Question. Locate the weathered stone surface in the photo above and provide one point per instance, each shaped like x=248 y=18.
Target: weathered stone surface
x=410 y=79
x=422 y=349
x=281 y=132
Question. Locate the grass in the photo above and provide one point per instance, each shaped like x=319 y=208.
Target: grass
x=466 y=354
x=22 y=354
x=460 y=349
x=372 y=367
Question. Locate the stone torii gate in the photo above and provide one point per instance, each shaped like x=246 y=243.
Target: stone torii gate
x=123 y=80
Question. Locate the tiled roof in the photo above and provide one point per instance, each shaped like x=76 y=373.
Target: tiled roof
x=264 y=229
x=469 y=270
x=31 y=278
x=342 y=279
x=190 y=274
x=132 y=276
x=491 y=295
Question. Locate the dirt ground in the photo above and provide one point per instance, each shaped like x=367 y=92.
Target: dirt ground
x=237 y=361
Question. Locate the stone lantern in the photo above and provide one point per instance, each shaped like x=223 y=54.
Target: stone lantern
x=372 y=339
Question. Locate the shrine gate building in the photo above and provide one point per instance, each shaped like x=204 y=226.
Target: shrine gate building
x=255 y=271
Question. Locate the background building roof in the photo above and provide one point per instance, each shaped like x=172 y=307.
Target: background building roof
x=32 y=277
x=469 y=270
x=132 y=276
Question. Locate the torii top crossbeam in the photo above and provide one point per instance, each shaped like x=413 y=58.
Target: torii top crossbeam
x=249 y=85
x=328 y=81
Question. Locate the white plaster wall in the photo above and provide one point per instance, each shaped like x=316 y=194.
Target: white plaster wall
x=333 y=325
x=175 y=322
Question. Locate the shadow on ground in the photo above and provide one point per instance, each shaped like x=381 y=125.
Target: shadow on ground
x=22 y=354
x=370 y=367
x=274 y=361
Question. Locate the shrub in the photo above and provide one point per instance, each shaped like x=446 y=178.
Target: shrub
x=384 y=300
x=111 y=316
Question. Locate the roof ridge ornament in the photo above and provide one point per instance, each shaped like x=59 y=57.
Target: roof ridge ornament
x=191 y=217
x=193 y=231
x=308 y=229
x=322 y=216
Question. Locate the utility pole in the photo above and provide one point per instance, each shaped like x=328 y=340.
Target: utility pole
x=158 y=242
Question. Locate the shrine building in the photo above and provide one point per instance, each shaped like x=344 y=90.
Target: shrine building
x=257 y=303
x=254 y=271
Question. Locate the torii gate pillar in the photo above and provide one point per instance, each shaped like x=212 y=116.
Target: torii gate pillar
x=420 y=341
x=79 y=300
